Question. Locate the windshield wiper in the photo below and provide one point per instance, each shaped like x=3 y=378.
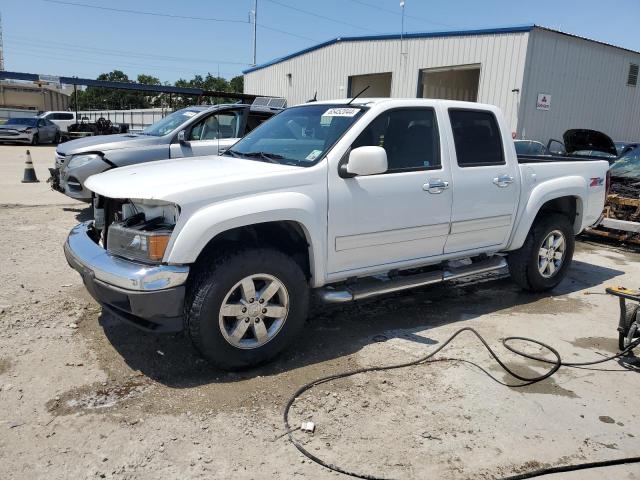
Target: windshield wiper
x=233 y=153
x=268 y=157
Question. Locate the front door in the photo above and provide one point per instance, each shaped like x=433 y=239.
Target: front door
x=210 y=136
x=485 y=199
x=401 y=216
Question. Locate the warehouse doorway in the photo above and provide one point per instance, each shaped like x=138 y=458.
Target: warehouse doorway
x=379 y=85
x=450 y=83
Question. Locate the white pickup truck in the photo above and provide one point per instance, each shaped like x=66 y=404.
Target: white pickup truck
x=343 y=199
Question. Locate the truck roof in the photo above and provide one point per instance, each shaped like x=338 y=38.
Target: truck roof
x=405 y=102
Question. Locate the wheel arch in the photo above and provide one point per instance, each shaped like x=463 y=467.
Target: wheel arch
x=564 y=196
x=294 y=230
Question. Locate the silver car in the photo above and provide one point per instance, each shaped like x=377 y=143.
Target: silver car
x=32 y=130
x=190 y=132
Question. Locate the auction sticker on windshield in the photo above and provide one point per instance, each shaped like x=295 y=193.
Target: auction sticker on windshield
x=313 y=155
x=341 y=112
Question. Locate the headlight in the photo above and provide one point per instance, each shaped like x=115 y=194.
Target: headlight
x=136 y=244
x=81 y=160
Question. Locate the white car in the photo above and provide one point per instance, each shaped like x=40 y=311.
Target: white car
x=61 y=119
x=343 y=199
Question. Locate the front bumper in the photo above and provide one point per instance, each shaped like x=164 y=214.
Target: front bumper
x=20 y=137
x=151 y=297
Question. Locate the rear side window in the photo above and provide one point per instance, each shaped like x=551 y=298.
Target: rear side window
x=409 y=136
x=62 y=116
x=477 y=138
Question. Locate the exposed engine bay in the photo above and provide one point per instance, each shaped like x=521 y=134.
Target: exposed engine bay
x=134 y=229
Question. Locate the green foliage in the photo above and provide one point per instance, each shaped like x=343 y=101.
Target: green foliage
x=108 y=99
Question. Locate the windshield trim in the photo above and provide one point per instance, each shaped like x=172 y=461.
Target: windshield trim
x=295 y=163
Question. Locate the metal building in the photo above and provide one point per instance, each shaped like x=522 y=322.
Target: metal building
x=545 y=81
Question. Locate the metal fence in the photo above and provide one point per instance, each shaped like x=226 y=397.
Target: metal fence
x=6 y=113
x=137 y=119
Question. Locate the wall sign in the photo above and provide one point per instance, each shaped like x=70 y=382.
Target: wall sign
x=544 y=101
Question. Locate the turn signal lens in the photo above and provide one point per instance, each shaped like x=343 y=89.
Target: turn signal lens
x=157 y=246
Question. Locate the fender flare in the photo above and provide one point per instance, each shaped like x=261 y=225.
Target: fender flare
x=205 y=224
x=574 y=186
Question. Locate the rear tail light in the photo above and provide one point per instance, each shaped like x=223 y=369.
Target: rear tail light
x=608 y=182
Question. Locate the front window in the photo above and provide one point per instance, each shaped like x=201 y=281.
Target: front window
x=299 y=135
x=31 y=122
x=219 y=125
x=169 y=123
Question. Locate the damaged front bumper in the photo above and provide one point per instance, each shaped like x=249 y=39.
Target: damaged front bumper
x=151 y=297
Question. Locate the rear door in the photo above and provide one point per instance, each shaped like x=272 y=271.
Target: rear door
x=486 y=186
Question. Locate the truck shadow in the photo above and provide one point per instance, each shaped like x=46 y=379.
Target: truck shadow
x=333 y=334
x=82 y=213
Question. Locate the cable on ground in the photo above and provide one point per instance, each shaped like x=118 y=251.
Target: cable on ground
x=556 y=363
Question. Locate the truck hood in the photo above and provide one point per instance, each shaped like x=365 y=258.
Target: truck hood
x=185 y=180
x=103 y=143
x=584 y=139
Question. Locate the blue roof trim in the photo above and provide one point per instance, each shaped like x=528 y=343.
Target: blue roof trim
x=396 y=36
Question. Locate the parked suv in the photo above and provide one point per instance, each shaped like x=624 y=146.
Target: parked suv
x=61 y=119
x=192 y=131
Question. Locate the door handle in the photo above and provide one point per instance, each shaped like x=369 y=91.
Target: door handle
x=503 y=180
x=435 y=185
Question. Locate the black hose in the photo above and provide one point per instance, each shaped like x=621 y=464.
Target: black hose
x=556 y=364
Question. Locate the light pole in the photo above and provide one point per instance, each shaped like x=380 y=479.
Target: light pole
x=254 y=13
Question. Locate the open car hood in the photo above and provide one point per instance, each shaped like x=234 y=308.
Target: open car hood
x=583 y=139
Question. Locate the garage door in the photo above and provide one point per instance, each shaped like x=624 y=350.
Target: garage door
x=379 y=85
x=450 y=83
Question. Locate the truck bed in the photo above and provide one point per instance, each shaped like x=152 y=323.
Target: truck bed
x=558 y=158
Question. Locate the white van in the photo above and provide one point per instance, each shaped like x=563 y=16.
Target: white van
x=62 y=119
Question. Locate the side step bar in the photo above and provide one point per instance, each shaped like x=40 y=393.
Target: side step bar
x=372 y=287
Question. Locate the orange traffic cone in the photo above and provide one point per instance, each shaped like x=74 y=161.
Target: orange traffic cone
x=29 y=172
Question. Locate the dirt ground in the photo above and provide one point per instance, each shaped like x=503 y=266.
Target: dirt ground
x=84 y=396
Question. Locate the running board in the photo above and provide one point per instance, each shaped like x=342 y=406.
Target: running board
x=372 y=287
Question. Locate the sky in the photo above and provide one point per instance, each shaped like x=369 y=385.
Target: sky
x=178 y=39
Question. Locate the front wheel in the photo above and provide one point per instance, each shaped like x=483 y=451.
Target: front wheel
x=246 y=307
x=34 y=139
x=542 y=262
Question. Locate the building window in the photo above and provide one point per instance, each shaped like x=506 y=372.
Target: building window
x=632 y=79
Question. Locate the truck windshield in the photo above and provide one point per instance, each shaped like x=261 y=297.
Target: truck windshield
x=299 y=135
x=170 y=122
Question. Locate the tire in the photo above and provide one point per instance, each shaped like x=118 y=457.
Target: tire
x=524 y=263
x=56 y=139
x=218 y=284
x=631 y=313
x=34 y=139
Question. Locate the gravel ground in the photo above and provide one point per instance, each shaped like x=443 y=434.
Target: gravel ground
x=84 y=396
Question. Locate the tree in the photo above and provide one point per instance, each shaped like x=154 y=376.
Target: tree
x=97 y=98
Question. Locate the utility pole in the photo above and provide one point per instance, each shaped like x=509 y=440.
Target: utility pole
x=402 y=28
x=1 y=46
x=254 y=13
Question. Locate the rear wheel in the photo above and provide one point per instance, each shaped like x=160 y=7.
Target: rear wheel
x=542 y=262
x=246 y=307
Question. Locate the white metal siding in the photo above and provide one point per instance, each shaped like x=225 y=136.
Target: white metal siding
x=326 y=70
x=587 y=82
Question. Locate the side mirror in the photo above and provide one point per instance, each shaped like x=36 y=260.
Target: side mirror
x=182 y=137
x=366 y=161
